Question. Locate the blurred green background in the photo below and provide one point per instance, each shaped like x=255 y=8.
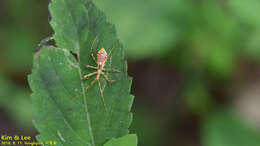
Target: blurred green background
x=195 y=66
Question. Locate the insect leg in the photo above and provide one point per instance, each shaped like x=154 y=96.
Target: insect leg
x=102 y=96
x=110 y=53
x=91 y=50
x=111 y=69
x=90 y=74
x=89 y=66
x=91 y=84
x=106 y=77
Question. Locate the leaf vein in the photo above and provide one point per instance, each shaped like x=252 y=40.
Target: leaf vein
x=67 y=92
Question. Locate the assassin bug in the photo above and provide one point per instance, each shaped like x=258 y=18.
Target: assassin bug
x=102 y=58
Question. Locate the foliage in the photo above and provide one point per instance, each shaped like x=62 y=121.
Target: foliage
x=63 y=110
x=16 y=95
x=128 y=140
x=208 y=46
x=224 y=129
x=147 y=28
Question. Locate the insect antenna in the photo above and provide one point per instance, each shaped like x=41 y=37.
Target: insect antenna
x=102 y=96
x=91 y=50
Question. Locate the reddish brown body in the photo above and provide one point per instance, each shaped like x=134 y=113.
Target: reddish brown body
x=101 y=60
x=102 y=57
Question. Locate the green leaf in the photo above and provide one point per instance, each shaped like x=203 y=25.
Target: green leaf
x=149 y=29
x=128 y=140
x=224 y=129
x=63 y=110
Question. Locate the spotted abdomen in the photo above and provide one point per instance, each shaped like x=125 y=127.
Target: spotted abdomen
x=101 y=57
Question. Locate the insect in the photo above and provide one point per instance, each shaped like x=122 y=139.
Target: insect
x=102 y=58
